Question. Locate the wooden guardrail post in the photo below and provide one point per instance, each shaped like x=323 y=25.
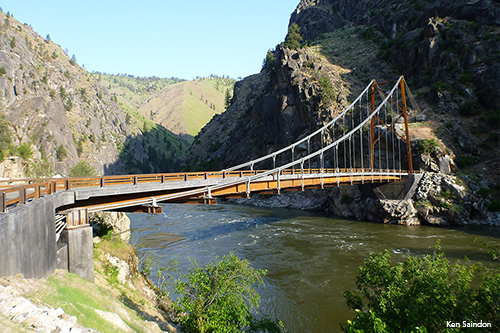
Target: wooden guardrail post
x=135 y=180
x=67 y=184
x=22 y=195
x=101 y=182
x=3 y=202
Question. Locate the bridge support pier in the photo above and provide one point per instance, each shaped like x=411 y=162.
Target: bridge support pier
x=78 y=238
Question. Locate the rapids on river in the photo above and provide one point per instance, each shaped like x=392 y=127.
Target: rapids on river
x=311 y=258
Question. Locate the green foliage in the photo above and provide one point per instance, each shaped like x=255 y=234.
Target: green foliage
x=293 y=39
x=469 y=107
x=61 y=152
x=227 y=99
x=270 y=64
x=427 y=146
x=327 y=90
x=25 y=151
x=79 y=147
x=465 y=161
x=5 y=137
x=494 y=206
x=214 y=146
x=466 y=78
x=422 y=294
x=345 y=199
x=216 y=298
x=3 y=71
x=13 y=42
x=82 y=169
x=493 y=118
x=73 y=60
x=441 y=87
x=39 y=168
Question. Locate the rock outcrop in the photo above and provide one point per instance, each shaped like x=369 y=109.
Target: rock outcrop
x=116 y=222
x=40 y=318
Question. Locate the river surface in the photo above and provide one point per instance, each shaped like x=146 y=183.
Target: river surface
x=311 y=258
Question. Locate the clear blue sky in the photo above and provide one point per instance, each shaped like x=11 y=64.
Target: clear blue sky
x=166 y=38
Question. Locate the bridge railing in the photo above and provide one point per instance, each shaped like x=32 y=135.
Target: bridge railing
x=35 y=188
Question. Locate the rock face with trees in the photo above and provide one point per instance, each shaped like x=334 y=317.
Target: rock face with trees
x=332 y=50
x=54 y=113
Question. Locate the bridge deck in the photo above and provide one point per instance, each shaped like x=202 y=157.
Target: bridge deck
x=130 y=192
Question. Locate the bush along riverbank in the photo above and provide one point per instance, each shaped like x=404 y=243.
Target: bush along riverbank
x=218 y=297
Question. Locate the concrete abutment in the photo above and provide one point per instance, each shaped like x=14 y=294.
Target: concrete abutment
x=28 y=244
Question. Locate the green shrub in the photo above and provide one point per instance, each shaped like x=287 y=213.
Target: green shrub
x=25 y=151
x=422 y=294
x=465 y=161
x=469 y=107
x=3 y=71
x=427 y=146
x=216 y=298
x=493 y=118
x=494 y=206
x=270 y=65
x=214 y=146
x=82 y=169
x=61 y=152
x=345 y=199
x=466 y=78
x=441 y=87
x=5 y=135
x=327 y=90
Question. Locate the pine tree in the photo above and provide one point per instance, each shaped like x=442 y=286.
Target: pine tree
x=227 y=99
x=293 y=39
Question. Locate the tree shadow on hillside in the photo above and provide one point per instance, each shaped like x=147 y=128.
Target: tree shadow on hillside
x=156 y=150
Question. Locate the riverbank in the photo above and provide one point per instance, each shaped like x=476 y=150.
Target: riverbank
x=437 y=200
x=120 y=300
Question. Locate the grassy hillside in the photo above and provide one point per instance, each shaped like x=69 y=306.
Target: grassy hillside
x=185 y=107
x=182 y=107
x=134 y=91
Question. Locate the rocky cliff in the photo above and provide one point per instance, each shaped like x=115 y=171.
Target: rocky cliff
x=448 y=52
x=61 y=113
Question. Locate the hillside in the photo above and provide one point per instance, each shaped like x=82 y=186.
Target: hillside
x=54 y=113
x=183 y=107
x=441 y=49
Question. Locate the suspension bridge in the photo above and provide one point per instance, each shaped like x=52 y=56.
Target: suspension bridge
x=366 y=143
x=44 y=222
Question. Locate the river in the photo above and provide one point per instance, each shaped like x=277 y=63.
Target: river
x=311 y=258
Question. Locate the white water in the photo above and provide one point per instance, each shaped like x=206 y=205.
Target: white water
x=311 y=258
